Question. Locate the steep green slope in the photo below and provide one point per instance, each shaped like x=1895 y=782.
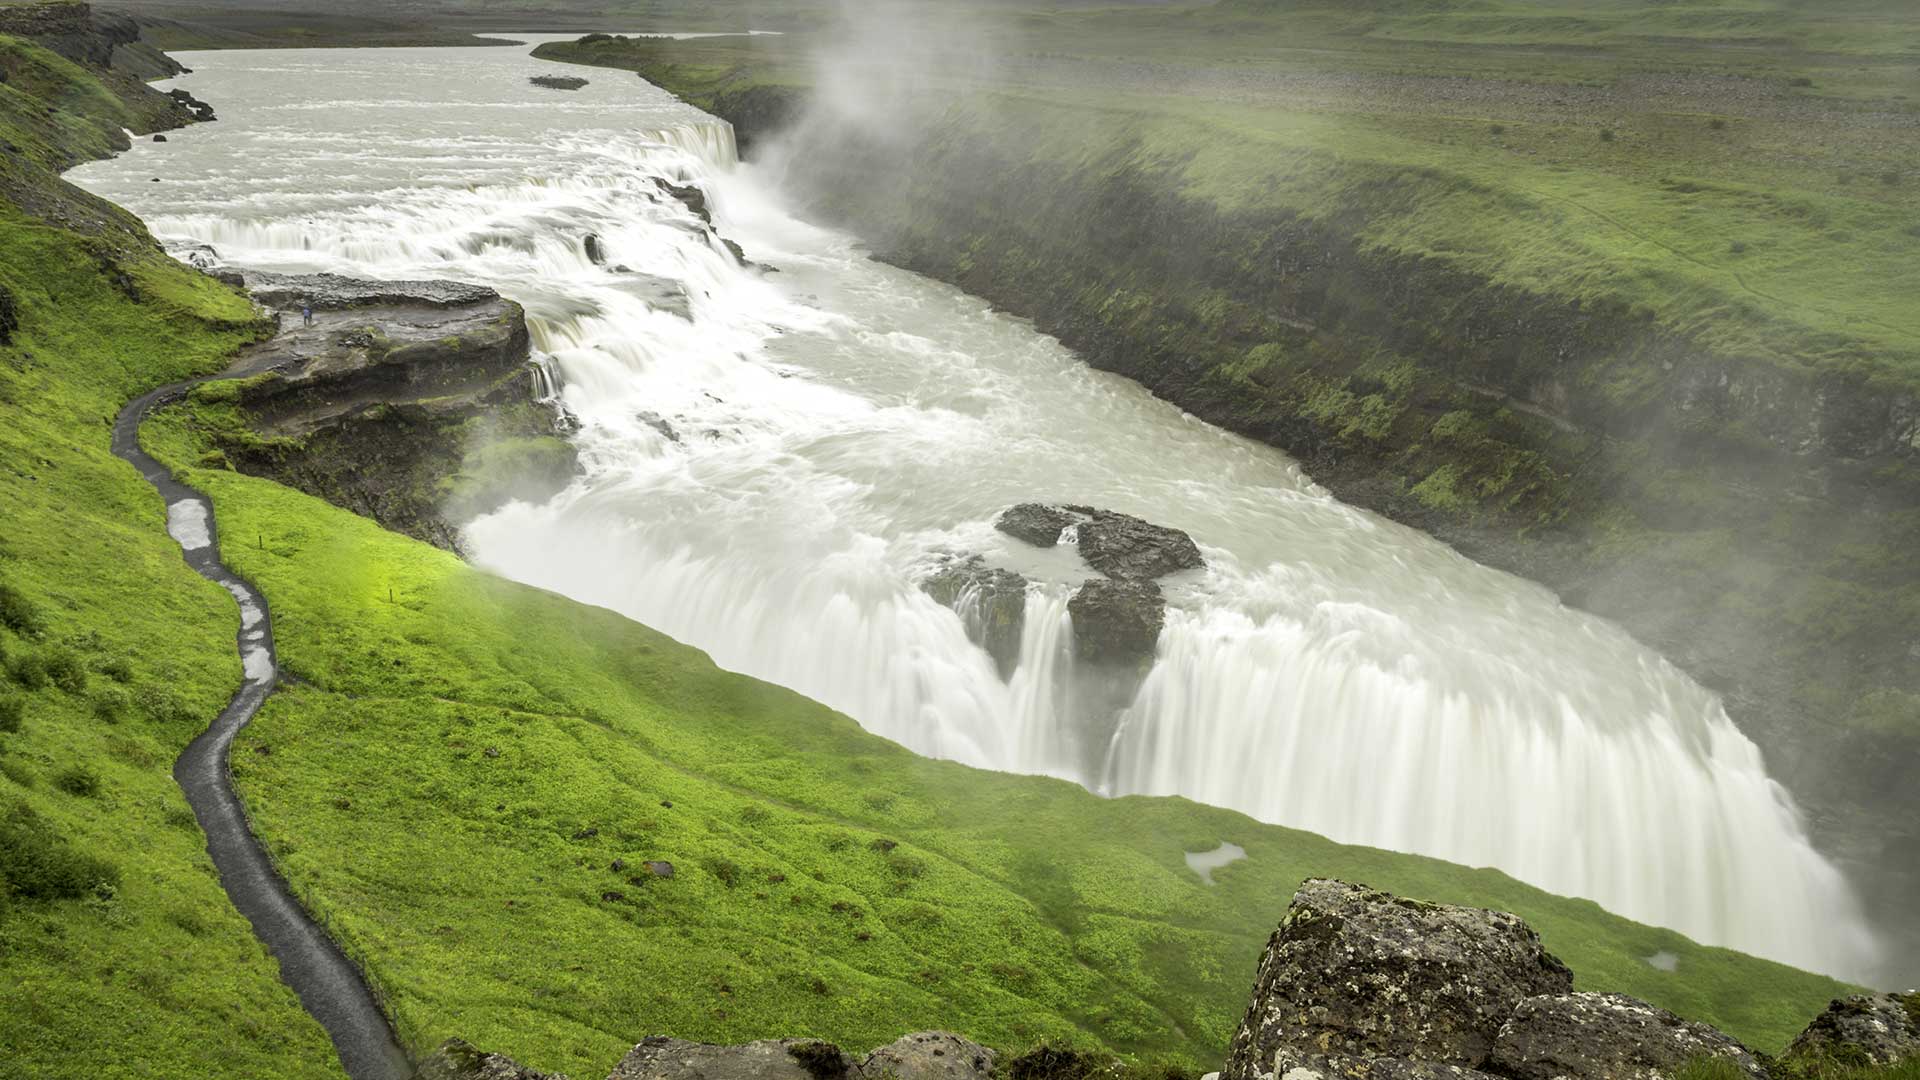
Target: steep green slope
x=470 y=777
x=119 y=953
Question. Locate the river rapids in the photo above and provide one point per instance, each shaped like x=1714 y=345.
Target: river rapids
x=769 y=476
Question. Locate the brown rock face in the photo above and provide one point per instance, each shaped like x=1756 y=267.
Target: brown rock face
x=1357 y=973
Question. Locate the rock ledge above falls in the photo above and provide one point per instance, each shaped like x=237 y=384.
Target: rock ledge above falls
x=409 y=402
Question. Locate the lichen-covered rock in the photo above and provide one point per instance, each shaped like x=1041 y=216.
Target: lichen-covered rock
x=930 y=1055
x=1292 y=1064
x=1120 y=546
x=1590 y=1036
x=1883 y=1029
x=1117 y=623
x=458 y=1059
x=1353 y=972
x=991 y=603
x=658 y=1057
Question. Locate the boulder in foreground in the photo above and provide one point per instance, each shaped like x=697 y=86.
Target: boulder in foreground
x=1353 y=972
x=1880 y=1029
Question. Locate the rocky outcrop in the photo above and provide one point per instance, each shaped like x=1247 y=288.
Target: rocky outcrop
x=689 y=196
x=1359 y=973
x=1361 y=983
x=200 y=110
x=1118 y=545
x=930 y=1055
x=1882 y=1029
x=458 y=1059
x=927 y=1055
x=1117 y=623
x=991 y=603
x=9 y=316
x=1116 y=619
x=108 y=44
x=1607 y=1035
x=412 y=403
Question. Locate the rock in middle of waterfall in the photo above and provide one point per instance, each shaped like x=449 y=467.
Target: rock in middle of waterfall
x=991 y=602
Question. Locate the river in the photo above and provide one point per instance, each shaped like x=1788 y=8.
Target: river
x=769 y=477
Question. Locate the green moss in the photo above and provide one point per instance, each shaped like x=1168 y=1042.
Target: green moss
x=36 y=863
x=1441 y=490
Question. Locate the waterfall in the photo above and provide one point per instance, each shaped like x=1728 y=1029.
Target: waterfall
x=772 y=460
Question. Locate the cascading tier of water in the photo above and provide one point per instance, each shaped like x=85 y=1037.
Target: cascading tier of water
x=769 y=475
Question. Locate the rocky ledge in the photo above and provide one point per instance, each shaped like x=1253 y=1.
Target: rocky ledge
x=1356 y=984
x=1116 y=617
x=410 y=402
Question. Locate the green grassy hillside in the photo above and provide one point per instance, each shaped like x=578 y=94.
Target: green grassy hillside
x=469 y=777
x=119 y=953
x=465 y=778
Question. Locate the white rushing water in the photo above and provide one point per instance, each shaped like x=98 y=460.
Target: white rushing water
x=769 y=478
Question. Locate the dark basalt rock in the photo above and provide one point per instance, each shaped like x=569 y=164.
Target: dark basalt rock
x=558 y=82
x=1883 y=1029
x=1117 y=623
x=596 y=250
x=458 y=1059
x=1117 y=545
x=689 y=196
x=1353 y=972
x=1036 y=523
x=9 y=316
x=200 y=110
x=1610 y=1036
x=159 y=138
x=991 y=602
